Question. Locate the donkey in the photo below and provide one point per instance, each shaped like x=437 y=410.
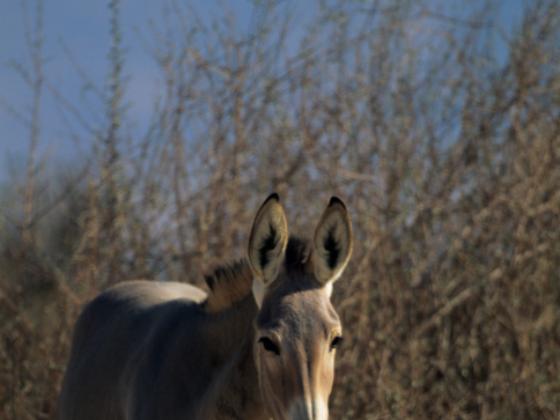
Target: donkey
x=260 y=344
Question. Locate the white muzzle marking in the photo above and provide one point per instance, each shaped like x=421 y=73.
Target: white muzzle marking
x=309 y=410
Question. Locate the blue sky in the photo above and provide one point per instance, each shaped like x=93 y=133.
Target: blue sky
x=82 y=27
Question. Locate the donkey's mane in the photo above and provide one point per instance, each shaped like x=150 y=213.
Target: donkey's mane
x=231 y=283
x=228 y=284
x=297 y=254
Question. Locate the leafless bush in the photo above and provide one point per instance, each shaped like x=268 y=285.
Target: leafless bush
x=440 y=130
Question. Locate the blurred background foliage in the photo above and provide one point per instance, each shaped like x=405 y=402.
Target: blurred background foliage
x=438 y=126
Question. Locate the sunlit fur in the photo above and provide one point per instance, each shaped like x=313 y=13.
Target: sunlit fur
x=297 y=314
x=147 y=350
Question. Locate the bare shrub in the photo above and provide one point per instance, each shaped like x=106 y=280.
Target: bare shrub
x=440 y=129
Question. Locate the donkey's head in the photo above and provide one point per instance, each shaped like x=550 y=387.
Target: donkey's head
x=297 y=328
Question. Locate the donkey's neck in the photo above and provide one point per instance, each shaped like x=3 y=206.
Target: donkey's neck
x=236 y=393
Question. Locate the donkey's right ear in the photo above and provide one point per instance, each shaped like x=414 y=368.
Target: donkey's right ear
x=268 y=240
x=332 y=242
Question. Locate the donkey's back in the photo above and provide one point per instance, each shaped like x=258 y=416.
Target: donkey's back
x=119 y=339
x=261 y=345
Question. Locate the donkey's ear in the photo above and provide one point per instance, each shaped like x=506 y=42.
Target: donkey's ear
x=332 y=242
x=268 y=240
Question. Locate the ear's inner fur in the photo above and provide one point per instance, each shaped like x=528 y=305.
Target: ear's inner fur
x=259 y=290
x=332 y=242
x=332 y=247
x=267 y=245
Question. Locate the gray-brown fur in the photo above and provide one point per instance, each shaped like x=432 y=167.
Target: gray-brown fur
x=228 y=284
x=258 y=346
x=149 y=350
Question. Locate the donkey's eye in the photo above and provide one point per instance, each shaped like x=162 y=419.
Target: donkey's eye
x=269 y=345
x=336 y=342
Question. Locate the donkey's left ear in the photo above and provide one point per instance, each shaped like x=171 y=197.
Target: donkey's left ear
x=332 y=242
x=268 y=240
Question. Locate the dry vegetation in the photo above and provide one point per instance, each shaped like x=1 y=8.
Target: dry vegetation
x=441 y=132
